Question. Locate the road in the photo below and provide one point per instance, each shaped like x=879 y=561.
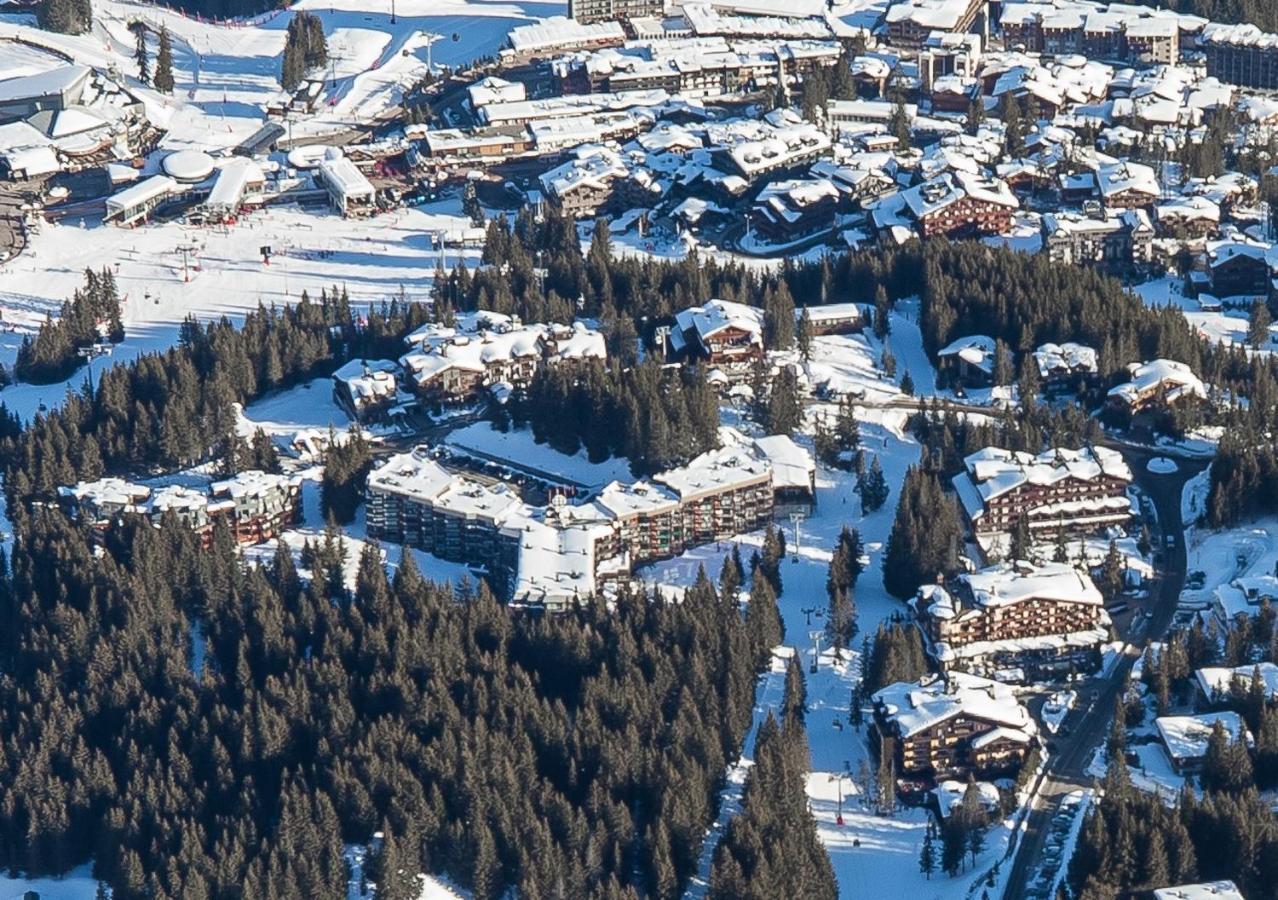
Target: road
x=1088 y=724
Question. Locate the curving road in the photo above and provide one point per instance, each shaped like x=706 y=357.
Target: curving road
x=1087 y=725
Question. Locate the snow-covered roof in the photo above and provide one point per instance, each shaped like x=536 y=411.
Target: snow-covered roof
x=995 y=471
x=590 y=168
x=105 y=492
x=368 y=380
x=942 y=15
x=255 y=483
x=153 y=188
x=1206 y=890
x=560 y=31
x=716 y=470
x=232 y=181
x=190 y=166
x=493 y=90
x=345 y=177
x=1218 y=679
x=718 y=315
x=792 y=465
x=1007 y=583
x=976 y=350
x=64 y=79
x=916 y=706
x=1117 y=178
x=1068 y=357
x=1159 y=374
x=1186 y=737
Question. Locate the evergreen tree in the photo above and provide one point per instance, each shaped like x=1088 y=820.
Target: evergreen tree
x=140 y=52
x=778 y=318
x=163 y=80
x=873 y=488
x=1258 y=323
x=924 y=540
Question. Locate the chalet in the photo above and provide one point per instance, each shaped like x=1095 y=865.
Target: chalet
x=366 y=390
x=455 y=363
x=956 y=204
x=1187 y=218
x=1238 y=269
x=721 y=332
x=1243 y=598
x=952 y=727
x=785 y=211
x=911 y=22
x=968 y=361
x=833 y=318
x=1158 y=384
x=1067 y=366
x=1018 y=620
x=585 y=184
x=1056 y=491
x=1185 y=738
x=1127 y=185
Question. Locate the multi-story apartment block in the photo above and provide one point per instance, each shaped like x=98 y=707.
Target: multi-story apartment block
x=255 y=505
x=1015 y=620
x=956 y=204
x=1111 y=240
x=453 y=364
x=587 y=11
x=911 y=22
x=1056 y=491
x=1242 y=55
x=952 y=726
x=549 y=555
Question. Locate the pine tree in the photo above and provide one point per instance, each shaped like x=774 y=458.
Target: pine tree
x=163 y=81
x=927 y=856
x=778 y=318
x=925 y=536
x=804 y=336
x=873 y=488
x=1022 y=541
x=1112 y=573
x=1258 y=322
x=139 y=51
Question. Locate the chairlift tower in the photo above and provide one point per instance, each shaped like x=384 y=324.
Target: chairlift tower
x=816 y=648
x=797 y=517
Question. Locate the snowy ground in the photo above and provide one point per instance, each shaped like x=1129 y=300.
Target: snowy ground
x=78 y=884
x=1228 y=327
x=373 y=262
x=225 y=74
x=1222 y=556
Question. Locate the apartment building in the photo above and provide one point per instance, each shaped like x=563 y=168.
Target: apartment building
x=547 y=555
x=1242 y=55
x=1015 y=620
x=255 y=505
x=455 y=363
x=1057 y=491
x=1115 y=241
x=952 y=727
